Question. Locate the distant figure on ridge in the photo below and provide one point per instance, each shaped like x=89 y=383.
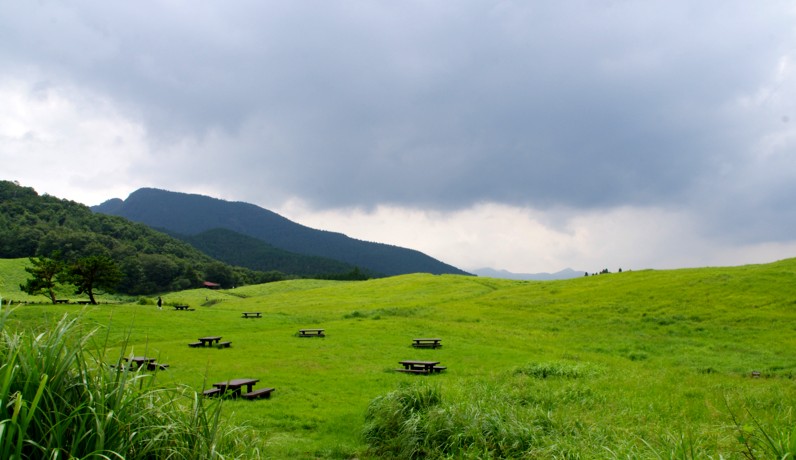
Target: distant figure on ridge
x=160 y=303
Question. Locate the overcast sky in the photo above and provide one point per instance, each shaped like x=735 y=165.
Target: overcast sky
x=530 y=136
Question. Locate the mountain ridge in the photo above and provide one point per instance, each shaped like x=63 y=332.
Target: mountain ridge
x=566 y=273
x=191 y=214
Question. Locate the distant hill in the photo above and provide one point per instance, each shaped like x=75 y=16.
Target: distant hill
x=567 y=273
x=191 y=214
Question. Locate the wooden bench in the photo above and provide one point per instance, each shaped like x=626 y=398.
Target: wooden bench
x=311 y=333
x=196 y=344
x=154 y=366
x=251 y=314
x=439 y=368
x=413 y=371
x=427 y=343
x=224 y=344
x=259 y=393
x=212 y=392
x=62 y=301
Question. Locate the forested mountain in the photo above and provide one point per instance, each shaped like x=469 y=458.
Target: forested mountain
x=244 y=251
x=149 y=261
x=190 y=214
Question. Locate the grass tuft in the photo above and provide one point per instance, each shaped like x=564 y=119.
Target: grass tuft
x=558 y=369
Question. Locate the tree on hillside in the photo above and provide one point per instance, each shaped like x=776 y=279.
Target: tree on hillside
x=160 y=270
x=94 y=272
x=220 y=273
x=46 y=274
x=354 y=275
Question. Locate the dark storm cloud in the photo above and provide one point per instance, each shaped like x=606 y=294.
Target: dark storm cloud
x=433 y=104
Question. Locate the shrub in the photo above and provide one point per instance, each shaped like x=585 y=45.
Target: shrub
x=355 y=314
x=475 y=422
x=557 y=369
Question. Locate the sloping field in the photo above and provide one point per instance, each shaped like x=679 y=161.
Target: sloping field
x=646 y=364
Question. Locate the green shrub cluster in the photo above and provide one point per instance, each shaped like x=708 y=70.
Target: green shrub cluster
x=557 y=369
x=480 y=422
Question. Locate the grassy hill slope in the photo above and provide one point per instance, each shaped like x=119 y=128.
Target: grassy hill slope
x=12 y=274
x=647 y=364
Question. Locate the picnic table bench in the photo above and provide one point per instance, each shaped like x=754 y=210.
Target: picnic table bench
x=213 y=392
x=219 y=389
x=427 y=343
x=206 y=341
x=311 y=333
x=234 y=386
x=151 y=364
x=251 y=314
x=62 y=301
x=181 y=307
x=420 y=367
x=259 y=393
x=139 y=361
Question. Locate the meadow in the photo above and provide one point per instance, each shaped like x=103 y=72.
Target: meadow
x=690 y=363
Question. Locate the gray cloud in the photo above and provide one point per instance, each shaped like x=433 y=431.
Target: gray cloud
x=444 y=104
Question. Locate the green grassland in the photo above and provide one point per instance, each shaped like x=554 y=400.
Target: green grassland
x=640 y=364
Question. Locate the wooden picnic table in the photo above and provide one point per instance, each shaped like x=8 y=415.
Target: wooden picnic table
x=139 y=361
x=235 y=385
x=311 y=333
x=251 y=314
x=420 y=367
x=180 y=307
x=208 y=341
x=427 y=343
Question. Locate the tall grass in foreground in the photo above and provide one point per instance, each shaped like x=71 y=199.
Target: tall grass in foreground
x=762 y=440
x=415 y=421
x=511 y=417
x=60 y=400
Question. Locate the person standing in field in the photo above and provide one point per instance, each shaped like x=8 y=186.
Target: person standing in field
x=160 y=303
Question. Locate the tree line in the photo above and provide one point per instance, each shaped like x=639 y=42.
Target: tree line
x=97 y=251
